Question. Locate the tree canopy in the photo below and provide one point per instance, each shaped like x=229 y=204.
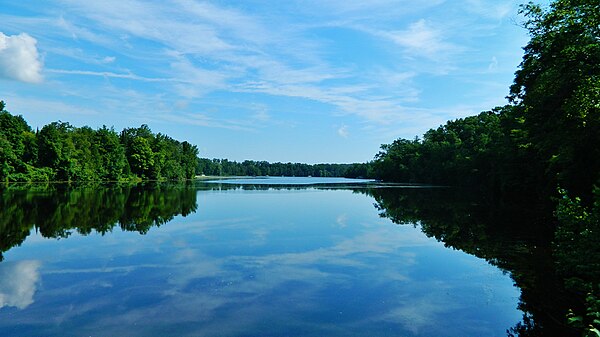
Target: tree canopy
x=62 y=152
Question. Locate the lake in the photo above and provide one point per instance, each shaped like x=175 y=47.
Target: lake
x=292 y=181
x=220 y=259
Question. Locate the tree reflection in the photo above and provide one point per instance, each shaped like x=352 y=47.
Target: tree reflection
x=56 y=211
x=513 y=237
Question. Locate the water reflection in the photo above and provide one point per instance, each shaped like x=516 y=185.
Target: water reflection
x=254 y=261
x=18 y=282
x=515 y=238
x=58 y=210
x=290 y=181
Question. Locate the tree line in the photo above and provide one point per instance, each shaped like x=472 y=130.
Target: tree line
x=224 y=167
x=62 y=152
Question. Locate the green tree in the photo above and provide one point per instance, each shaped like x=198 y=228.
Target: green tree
x=398 y=161
x=56 y=149
x=189 y=159
x=16 y=149
x=578 y=258
x=112 y=155
x=86 y=160
x=141 y=158
x=557 y=87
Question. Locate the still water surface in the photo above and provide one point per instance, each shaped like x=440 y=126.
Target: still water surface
x=291 y=181
x=242 y=262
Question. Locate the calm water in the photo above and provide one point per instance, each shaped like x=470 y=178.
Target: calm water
x=291 y=181
x=203 y=260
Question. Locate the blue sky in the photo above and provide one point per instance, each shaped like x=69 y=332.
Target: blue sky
x=301 y=81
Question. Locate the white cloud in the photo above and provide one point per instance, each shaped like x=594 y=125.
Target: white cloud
x=19 y=58
x=201 y=78
x=76 y=32
x=421 y=39
x=260 y=113
x=493 y=9
x=493 y=66
x=109 y=59
x=343 y=131
x=18 y=282
x=347 y=99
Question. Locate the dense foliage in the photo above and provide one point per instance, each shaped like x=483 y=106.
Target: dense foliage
x=224 y=167
x=547 y=138
x=577 y=252
x=557 y=92
x=461 y=152
x=62 y=152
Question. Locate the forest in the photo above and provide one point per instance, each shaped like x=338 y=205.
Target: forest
x=224 y=167
x=62 y=152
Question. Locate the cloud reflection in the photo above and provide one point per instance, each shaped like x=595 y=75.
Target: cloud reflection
x=419 y=314
x=18 y=283
x=231 y=294
x=343 y=274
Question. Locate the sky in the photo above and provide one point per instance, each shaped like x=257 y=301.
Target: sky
x=314 y=81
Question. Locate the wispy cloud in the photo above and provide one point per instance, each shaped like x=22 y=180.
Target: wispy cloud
x=343 y=131
x=237 y=46
x=52 y=108
x=381 y=11
x=184 y=26
x=260 y=113
x=383 y=62
x=201 y=119
x=494 y=9
x=109 y=74
x=421 y=39
x=419 y=313
x=493 y=66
